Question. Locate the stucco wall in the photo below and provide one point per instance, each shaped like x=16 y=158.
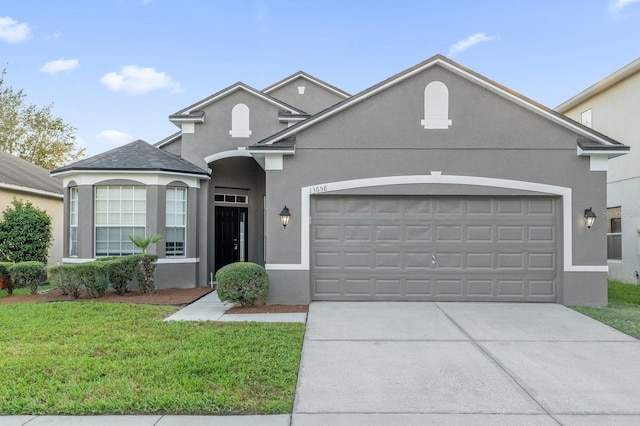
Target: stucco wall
x=315 y=97
x=213 y=136
x=614 y=112
x=490 y=137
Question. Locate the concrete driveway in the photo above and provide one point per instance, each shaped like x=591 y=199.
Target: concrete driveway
x=381 y=363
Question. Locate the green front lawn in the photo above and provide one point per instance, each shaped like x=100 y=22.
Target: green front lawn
x=623 y=311
x=111 y=358
x=4 y=293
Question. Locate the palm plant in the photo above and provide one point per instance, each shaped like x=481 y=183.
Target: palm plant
x=146 y=287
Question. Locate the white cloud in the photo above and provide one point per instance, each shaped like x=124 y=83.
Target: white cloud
x=113 y=137
x=54 y=36
x=13 y=32
x=616 y=6
x=136 y=80
x=468 y=42
x=60 y=65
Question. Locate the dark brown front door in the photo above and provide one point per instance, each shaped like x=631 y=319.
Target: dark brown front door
x=231 y=243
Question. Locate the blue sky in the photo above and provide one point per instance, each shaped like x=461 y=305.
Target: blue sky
x=116 y=69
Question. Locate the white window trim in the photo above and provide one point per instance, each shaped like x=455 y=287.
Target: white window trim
x=183 y=227
x=73 y=212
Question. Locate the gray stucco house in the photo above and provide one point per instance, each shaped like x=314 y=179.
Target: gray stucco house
x=435 y=184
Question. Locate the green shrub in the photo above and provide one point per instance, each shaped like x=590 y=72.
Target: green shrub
x=66 y=278
x=5 y=277
x=27 y=275
x=242 y=282
x=25 y=233
x=121 y=270
x=94 y=276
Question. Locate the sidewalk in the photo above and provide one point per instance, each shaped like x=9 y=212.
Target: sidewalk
x=275 y=420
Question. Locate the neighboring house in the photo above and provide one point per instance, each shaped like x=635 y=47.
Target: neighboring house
x=24 y=180
x=435 y=184
x=612 y=106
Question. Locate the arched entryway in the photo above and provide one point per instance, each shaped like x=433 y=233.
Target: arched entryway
x=235 y=211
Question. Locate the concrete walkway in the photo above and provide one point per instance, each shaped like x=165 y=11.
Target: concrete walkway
x=464 y=364
x=210 y=308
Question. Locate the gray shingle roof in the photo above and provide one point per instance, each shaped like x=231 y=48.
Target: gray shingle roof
x=137 y=155
x=18 y=172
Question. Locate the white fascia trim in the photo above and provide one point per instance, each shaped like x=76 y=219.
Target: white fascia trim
x=232 y=89
x=240 y=152
x=600 y=86
x=608 y=153
x=540 y=111
x=271 y=151
x=435 y=178
x=178 y=260
x=87 y=177
x=168 y=140
x=28 y=190
x=291 y=119
x=312 y=80
x=187 y=119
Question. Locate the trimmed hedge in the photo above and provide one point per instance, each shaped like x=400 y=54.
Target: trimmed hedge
x=242 y=282
x=65 y=278
x=27 y=275
x=97 y=276
x=123 y=269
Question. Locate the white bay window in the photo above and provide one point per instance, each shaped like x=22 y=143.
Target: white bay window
x=120 y=211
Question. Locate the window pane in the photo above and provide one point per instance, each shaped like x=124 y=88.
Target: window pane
x=126 y=193
x=616 y=225
x=174 y=242
x=614 y=247
x=120 y=212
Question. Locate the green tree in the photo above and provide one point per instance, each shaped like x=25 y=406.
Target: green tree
x=146 y=287
x=33 y=133
x=25 y=233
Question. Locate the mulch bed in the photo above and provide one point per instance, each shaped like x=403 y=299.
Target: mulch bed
x=169 y=296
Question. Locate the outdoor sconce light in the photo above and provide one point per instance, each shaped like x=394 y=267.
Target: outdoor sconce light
x=590 y=217
x=284 y=216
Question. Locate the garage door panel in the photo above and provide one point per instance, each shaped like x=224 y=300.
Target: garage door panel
x=479 y=233
x=511 y=287
x=541 y=288
x=479 y=288
x=541 y=233
x=510 y=206
x=383 y=248
x=417 y=233
x=541 y=206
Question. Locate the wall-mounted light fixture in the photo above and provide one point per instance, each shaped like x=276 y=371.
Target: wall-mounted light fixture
x=590 y=217
x=284 y=216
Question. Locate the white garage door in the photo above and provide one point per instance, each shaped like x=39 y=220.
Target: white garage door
x=434 y=248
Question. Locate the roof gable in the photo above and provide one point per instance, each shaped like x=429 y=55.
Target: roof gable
x=439 y=60
x=135 y=156
x=196 y=108
x=19 y=174
x=310 y=78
